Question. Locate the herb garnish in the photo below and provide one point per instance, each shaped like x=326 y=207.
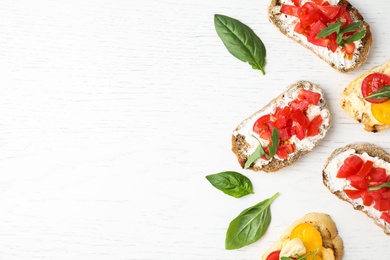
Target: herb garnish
x=383 y=92
x=249 y=225
x=336 y=28
x=272 y=148
x=304 y=257
x=241 y=41
x=231 y=183
x=374 y=188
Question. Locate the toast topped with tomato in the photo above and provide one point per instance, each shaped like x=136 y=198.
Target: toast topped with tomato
x=333 y=30
x=366 y=98
x=360 y=174
x=288 y=127
x=314 y=236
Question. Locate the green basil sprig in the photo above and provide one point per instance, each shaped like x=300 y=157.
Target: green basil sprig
x=272 y=148
x=304 y=257
x=336 y=28
x=241 y=41
x=383 y=92
x=249 y=225
x=374 y=188
x=231 y=183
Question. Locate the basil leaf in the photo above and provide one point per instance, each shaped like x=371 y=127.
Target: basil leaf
x=275 y=143
x=351 y=28
x=355 y=37
x=249 y=225
x=374 y=188
x=332 y=28
x=254 y=156
x=241 y=41
x=231 y=183
x=383 y=92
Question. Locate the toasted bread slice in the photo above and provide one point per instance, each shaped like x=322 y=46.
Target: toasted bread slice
x=337 y=59
x=356 y=106
x=245 y=141
x=332 y=242
x=337 y=185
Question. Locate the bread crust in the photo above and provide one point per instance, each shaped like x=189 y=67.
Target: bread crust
x=324 y=224
x=360 y=148
x=342 y=65
x=240 y=145
x=353 y=103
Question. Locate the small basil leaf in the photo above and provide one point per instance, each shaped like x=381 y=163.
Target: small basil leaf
x=241 y=41
x=332 y=28
x=383 y=92
x=351 y=28
x=254 y=156
x=249 y=225
x=275 y=143
x=231 y=183
x=355 y=37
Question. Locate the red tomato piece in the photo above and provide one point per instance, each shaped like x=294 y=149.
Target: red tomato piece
x=318 y=2
x=354 y=194
x=367 y=199
x=330 y=11
x=282 y=153
x=332 y=42
x=351 y=166
x=385 y=216
x=315 y=29
x=291 y=10
x=377 y=175
x=311 y=96
x=284 y=135
x=366 y=168
x=314 y=127
x=358 y=182
x=373 y=83
x=299 y=104
x=349 y=48
x=274 y=255
x=386 y=194
x=382 y=204
x=309 y=18
x=258 y=126
x=296 y=2
x=344 y=16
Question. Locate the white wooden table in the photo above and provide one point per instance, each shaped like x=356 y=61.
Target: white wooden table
x=113 y=112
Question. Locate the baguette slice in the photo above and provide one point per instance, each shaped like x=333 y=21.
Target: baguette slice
x=332 y=242
x=286 y=25
x=354 y=104
x=337 y=185
x=244 y=143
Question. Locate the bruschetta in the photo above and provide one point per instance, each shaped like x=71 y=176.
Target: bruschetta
x=314 y=236
x=333 y=30
x=366 y=98
x=359 y=174
x=288 y=127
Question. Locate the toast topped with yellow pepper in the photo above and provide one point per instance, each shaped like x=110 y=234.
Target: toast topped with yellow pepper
x=366 y=98
x=314 y=236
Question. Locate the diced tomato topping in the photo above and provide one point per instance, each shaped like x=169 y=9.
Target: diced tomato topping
x=385 y=216
x=366 y=168
x=313 y=16
x=299 y=104
x=312 y=97
x=330 y=11
x=297 y=2
x=377 y=175
x=354 y=194
x=367 y=199
x=291 y=10
x=290 y=120
x=314 y=127
x=351 y=165
x=358 y=182
x=282 y=153
x=274 y=255
x=382 y=204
